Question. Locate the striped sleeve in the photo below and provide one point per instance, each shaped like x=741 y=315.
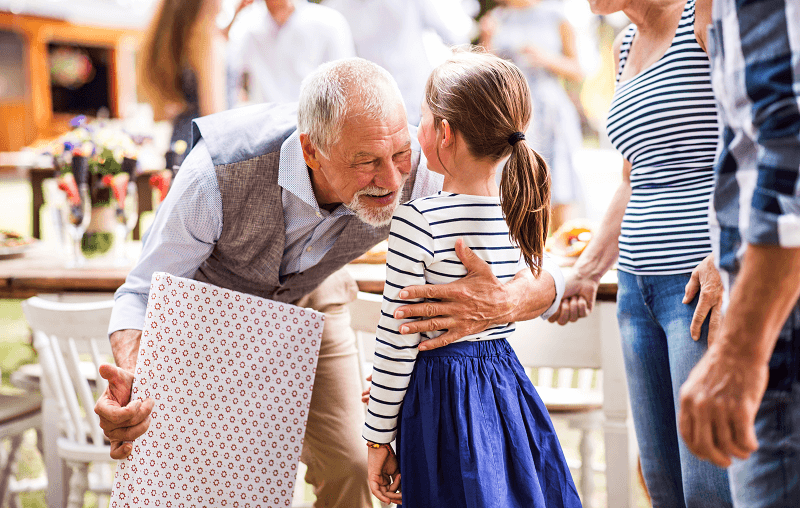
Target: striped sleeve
x=411 y=249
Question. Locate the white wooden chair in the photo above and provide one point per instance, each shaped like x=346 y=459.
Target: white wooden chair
x=64 y=335
x=18 y=414
x=568 y=361
x=365 y=312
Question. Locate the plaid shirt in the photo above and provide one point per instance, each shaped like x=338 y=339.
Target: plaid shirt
x=755 y=52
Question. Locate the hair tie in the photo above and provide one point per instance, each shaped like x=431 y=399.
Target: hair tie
x=512 y=139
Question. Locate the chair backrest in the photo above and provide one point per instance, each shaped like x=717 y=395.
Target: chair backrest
x=558 y=352
x=63 y=333
x=365 y=312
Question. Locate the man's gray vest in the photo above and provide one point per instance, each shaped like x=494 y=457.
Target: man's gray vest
x=245 y=148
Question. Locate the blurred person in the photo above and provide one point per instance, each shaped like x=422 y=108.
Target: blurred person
x=182 y=70
x=277 y=46
x=664 y=120
x=394 y=34
x=536 y=35
x=740 y=407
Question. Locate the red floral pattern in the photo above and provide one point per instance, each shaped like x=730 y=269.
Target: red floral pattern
x=231 y=375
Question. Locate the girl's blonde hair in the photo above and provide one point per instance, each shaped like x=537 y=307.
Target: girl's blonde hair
x=166 y=51
x=488 y=101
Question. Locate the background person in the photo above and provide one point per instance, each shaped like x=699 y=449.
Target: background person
x=663 y=119
x=182 y=66
x=536 y=35
x=278 y=46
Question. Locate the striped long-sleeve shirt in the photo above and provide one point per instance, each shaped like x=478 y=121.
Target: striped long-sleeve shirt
x=422 y=251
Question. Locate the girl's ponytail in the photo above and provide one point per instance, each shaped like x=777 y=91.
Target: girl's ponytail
x=525 y=200
x=488 y=101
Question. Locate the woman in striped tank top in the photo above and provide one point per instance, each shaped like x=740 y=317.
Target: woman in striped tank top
x=663 y=119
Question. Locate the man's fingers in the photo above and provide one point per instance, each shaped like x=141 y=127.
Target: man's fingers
x=120 y=449
x=428 y=325
x=112 y=417
x=440 y=341
x=120 y=383
x=469 y=259
x=745 y=436
x=129 y=433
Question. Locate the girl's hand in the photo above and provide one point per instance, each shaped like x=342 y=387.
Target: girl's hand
x=383 y=474
x=365 y=393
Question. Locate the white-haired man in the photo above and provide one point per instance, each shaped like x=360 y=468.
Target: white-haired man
x=268 y=202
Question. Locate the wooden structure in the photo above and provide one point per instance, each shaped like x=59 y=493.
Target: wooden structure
x=28 y=118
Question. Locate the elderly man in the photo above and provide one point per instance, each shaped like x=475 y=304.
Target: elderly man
x=274 y=204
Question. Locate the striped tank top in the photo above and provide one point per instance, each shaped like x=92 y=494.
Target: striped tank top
x=664 y=121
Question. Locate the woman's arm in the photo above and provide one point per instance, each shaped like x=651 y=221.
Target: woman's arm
x=597 y=259
x=564 y=65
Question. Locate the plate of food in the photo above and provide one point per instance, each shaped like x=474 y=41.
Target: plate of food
x=12 y=243
x=569 y=241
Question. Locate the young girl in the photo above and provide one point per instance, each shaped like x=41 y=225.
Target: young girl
x=469 y=427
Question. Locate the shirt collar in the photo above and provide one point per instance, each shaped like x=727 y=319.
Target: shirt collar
x=293 y=176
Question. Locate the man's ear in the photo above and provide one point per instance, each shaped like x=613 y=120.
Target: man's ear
x=310 y=152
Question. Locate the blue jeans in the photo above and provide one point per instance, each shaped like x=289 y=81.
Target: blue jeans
x=659 y=353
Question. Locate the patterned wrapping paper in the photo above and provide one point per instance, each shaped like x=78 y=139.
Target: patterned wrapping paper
x=231 y=375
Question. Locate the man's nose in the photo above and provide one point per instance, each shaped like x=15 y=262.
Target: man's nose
x=392 y=175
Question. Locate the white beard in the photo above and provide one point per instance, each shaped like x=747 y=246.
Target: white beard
x=374 y=216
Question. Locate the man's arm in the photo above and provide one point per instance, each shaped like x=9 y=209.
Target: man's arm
x=187 y=224
x=477 y=301
x=721 y=397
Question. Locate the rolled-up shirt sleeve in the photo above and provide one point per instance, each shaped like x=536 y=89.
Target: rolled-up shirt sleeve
x=187 y=225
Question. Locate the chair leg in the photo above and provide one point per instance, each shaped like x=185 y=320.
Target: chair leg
x=9 y=469
x=587 y=473
x=78 y=484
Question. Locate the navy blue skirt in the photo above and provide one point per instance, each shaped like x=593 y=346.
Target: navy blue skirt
x=473 y=432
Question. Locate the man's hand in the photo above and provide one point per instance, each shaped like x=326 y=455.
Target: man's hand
x=719 y=402
x=469 y=305
x=578 y=300
x=383 y=474
x=706 y=279
x=121 y=420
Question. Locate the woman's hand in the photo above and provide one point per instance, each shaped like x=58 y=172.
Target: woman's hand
x=578 y=300
x=383 y=474
x=706 y=279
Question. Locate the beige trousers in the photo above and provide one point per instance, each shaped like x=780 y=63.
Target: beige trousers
x=333 y=449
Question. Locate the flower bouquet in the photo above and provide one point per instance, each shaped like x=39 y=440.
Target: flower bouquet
x=96 y=165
